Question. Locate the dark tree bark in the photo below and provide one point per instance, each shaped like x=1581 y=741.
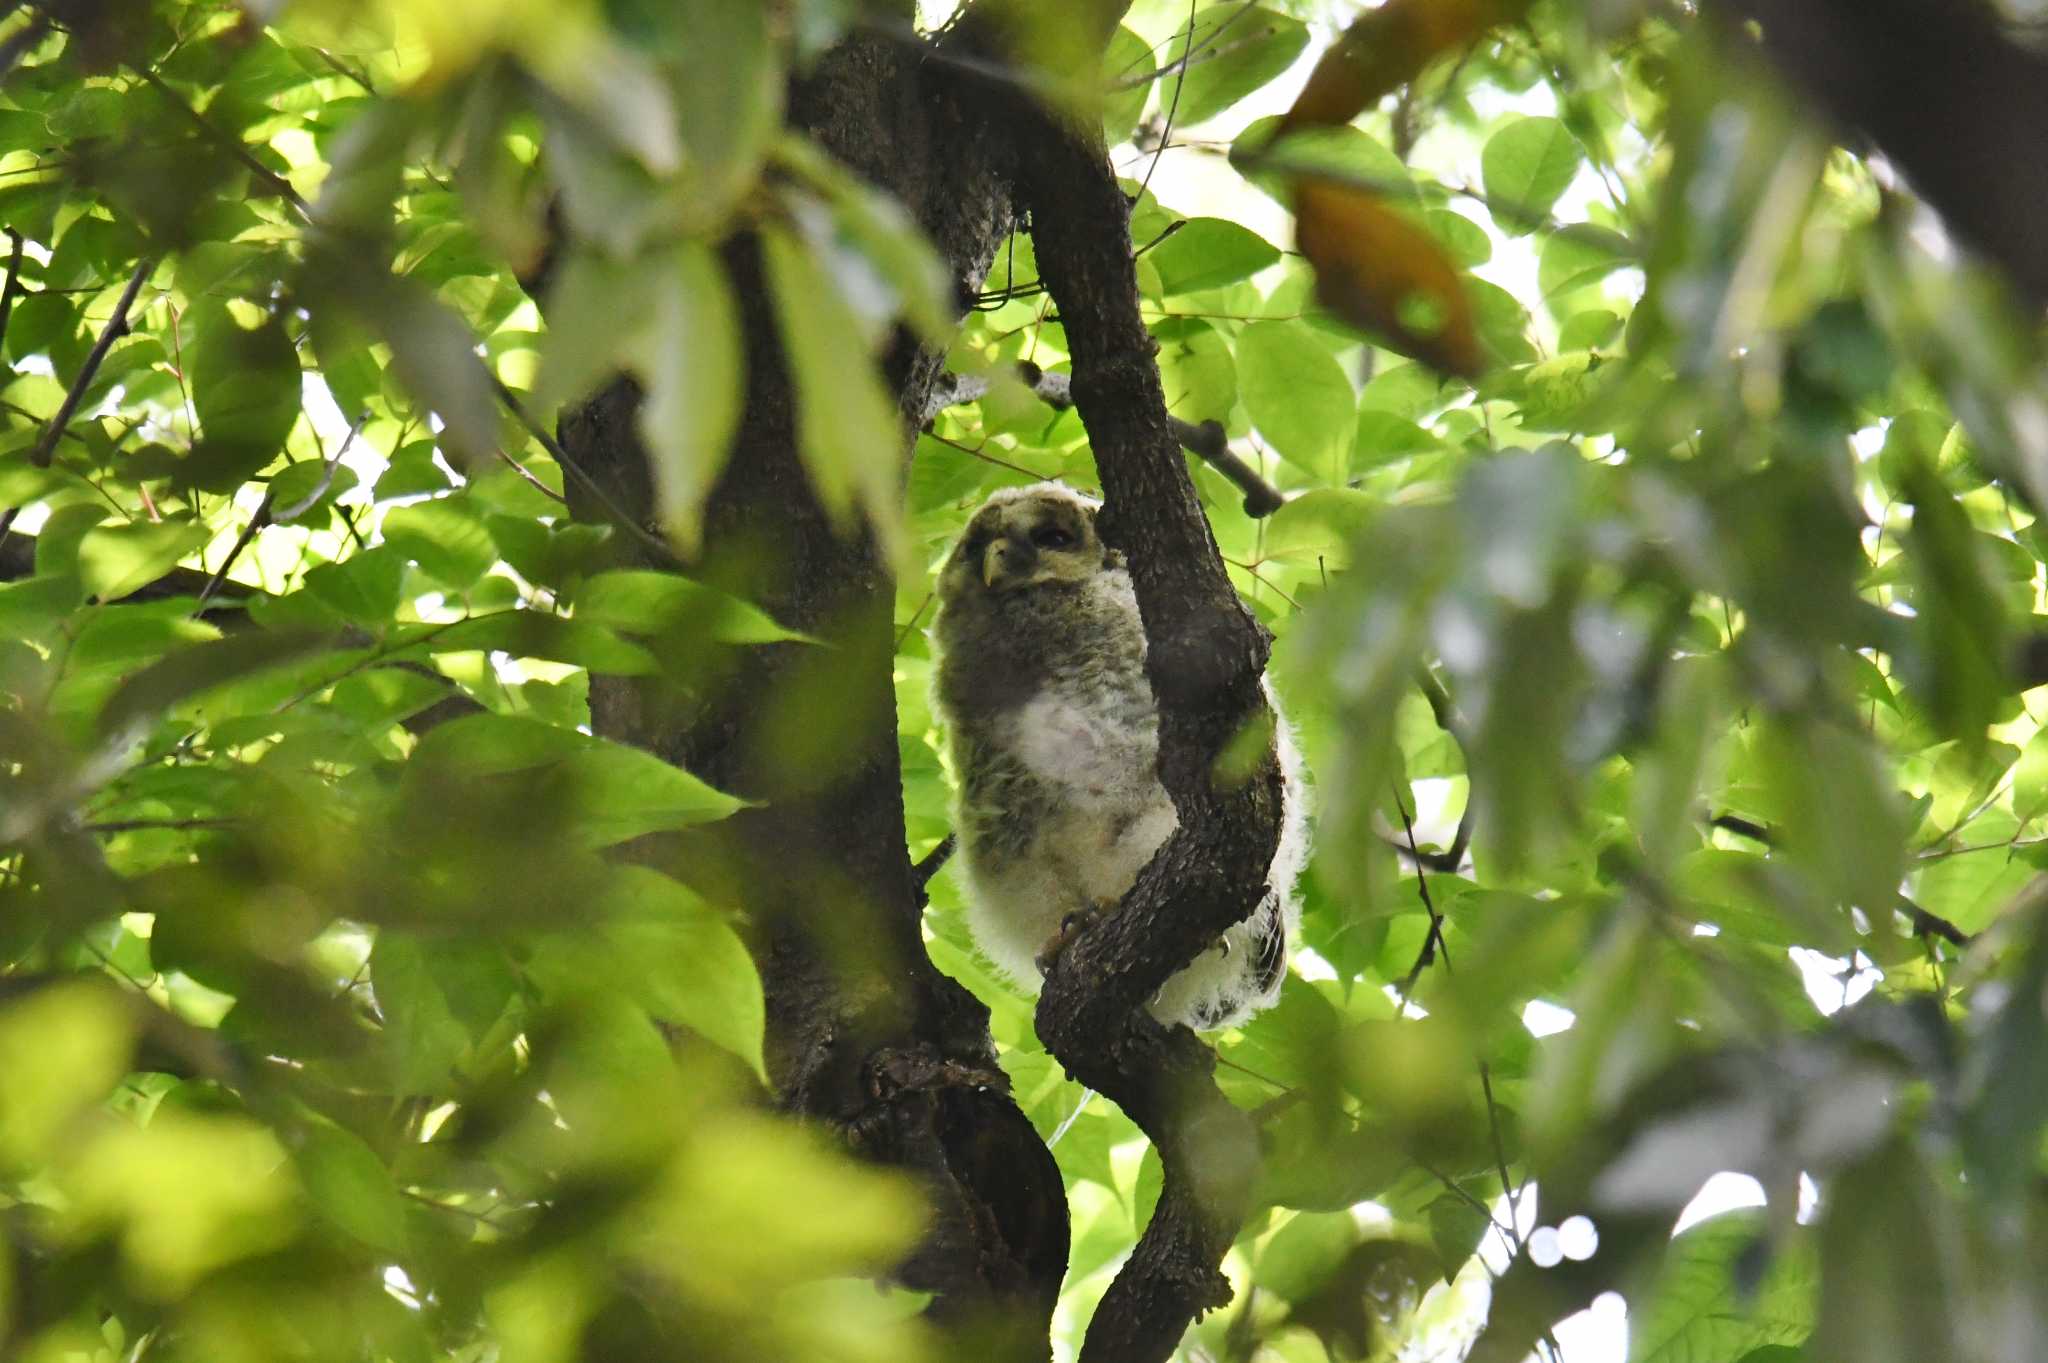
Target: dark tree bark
x=1943 y=91
x=863 y=1033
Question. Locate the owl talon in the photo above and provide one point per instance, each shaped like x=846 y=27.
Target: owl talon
x=1071 y=927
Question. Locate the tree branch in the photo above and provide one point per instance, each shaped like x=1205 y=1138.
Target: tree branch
x=1207 y=441
x=864 y=1036
x=1949 y=98
x=114 y=330
x=1925 y=924
x=1205 y=658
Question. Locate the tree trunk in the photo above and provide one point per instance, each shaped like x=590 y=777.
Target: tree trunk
x=863 y=1033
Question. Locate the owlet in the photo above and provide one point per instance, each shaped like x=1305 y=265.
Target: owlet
x=1054 y=739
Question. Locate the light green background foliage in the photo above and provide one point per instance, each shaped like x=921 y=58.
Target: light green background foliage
x=324 y=1038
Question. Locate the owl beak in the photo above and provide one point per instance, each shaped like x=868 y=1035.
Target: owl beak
x=992 y=563
x=1005 y=561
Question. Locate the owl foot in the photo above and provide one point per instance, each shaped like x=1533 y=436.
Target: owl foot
x=892 y=1071
x=1071 y=927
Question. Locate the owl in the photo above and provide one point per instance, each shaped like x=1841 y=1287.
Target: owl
x=1054 y=740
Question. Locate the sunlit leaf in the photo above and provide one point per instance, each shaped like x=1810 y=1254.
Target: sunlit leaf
x=690 y=360
x=1527 y=164
x=1297 y=395
x=1207 y=252
x=847 y=432
x=1241 y=47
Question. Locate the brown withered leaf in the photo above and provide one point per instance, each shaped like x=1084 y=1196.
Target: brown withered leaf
x=1378 y=270
x=1386 y=48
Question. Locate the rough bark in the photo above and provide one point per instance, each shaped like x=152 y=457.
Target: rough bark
x=1205 y=657
x=1945 y=93
x=863 y=1033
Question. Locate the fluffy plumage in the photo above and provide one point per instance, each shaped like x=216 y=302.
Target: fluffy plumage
x=1054 y=738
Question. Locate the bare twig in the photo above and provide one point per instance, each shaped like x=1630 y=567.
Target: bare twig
x=220 y=574
x=1925 y=924
x=1433 y=940
x=12 y=290
x=138 y=825
x=1207 y=441
x=233 y=146
x=287 y=514
x=1434 y=945
x=571 y=469
x=934 y=861
x=116 y=327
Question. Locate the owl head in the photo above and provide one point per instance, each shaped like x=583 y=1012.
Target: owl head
x=1026 y=537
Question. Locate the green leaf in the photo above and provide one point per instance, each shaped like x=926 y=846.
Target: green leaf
x=616 y=793
x=848 y=434
x=245 y=391
x=350 y=1186
x=1700 y=1309
x=200 y=668
x=690 y=359
x=1348 y=155
x=689 y=964
x=1208 y=252
x=537 y=634
x=446 y=536
x=1526 y=165
x=433 y=353
x=1455 y=1228
x=598 y=309
x=2005 y=1082
x=438 y=997
x=1126 y=63
x=1464 y=240
x=730 y=108
x=1579 y=256
x=1842 y=818
x=643 y=602
x=363 y=587
x=1297 y=395
x=1320 y=524
x=1885 y=1290
x=64 y=1047
x=114 y=560
x=1244 y=47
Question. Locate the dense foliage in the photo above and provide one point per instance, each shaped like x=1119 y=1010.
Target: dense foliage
x=1679 y=638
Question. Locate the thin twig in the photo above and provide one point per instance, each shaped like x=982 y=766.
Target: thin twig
x=570 y=468
x=116 y=327
x=977 y=453
x=285 y=515
x=1173 y=107
x=933 y=861
x=1206 y=50
x=916 y=616
x=529 y=475
x=1925 y=924
x=220 y=574
x=233 y=146
x=1207 y=442
x=12 y=290
x=1432 y=946
x=139 y=825
x=1433 y=941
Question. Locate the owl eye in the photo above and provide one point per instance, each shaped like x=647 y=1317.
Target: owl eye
x=1053 y=537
